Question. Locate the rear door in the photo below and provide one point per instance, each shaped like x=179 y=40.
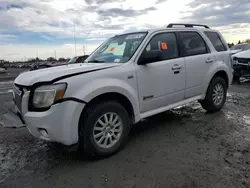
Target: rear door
x=222 y=53
x=198 y=61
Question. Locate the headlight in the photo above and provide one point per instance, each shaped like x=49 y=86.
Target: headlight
x=45 y=96
x=234 y=61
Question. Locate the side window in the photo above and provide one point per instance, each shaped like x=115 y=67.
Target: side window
x=216 y=41
x=193 y=43
x=166 y=43
x=81 y=59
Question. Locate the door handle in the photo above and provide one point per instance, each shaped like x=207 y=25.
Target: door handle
x=209 y=60
x=176 y=67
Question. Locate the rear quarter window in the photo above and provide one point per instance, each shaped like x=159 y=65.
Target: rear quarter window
x=216 y=41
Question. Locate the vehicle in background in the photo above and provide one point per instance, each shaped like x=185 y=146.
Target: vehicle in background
x=128 y=78
x=238 y=48
x=77 y=59
x=241 y=63
x=41 y=65
x=2 y=70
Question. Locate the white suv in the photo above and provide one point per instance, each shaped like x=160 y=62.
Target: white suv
x=128 y=78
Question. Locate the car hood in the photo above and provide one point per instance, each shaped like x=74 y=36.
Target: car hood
x=53 y=73
x=243 y=54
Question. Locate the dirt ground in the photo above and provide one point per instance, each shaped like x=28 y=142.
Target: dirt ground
x=185 y=147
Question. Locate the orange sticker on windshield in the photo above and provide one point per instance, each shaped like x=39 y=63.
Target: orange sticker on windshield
x=164 y=46
x=112 y=49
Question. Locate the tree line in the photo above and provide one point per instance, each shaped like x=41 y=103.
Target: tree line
x=239 y=42
x=50 y=59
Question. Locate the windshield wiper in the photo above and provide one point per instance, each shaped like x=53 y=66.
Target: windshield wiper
x=96 y=61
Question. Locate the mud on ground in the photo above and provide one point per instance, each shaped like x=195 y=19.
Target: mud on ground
x=185 y=147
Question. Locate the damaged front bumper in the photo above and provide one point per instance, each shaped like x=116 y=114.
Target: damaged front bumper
x=241 y=66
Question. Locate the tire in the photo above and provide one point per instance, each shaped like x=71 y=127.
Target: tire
x=209 y=103
x=89 y=122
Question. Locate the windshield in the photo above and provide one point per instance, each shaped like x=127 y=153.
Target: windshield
x=73 y=60
x=247 y=47
x=118 y=49
x=238 y=47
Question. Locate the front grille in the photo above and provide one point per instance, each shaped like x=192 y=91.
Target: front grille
x=17 y=89
x=17 y=96
x=243 y=60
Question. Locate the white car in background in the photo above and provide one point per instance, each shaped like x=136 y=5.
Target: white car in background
x=2 y=70
x=241 y=63
x=238 y=48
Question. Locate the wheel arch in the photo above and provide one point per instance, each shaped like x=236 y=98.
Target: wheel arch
x=222 y=74
x=111 y=96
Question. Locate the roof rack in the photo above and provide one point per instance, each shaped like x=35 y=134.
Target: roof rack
x=187 y=25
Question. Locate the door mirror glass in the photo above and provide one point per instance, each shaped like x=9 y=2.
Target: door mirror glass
x=149 y=57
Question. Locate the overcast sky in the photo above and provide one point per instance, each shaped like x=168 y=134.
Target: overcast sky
x=30 y=28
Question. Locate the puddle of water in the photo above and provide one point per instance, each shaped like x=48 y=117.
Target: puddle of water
x=235 y=97
x=230 y=115
x=7 y=82
x=188 y=110
x=5 y=92
x=246 y=119
x=244 y=79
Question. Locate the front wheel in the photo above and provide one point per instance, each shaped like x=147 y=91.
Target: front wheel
x=216 y=95
x=104 y=129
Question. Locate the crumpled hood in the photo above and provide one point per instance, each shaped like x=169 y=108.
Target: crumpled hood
x=235 y=51
x=243 y=54
x=48 y=74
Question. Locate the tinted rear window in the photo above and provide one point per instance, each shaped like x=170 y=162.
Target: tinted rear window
x=216 y=41
x=193 y=43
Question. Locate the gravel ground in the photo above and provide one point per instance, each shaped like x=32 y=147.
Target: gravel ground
x=185 y=147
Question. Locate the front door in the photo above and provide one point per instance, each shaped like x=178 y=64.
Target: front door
x=161 y=82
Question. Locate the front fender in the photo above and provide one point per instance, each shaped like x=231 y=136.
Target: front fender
x=110 y=85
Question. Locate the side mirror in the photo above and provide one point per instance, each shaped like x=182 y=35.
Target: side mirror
x=149 y=57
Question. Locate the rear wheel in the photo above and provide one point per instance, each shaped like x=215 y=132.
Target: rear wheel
x=104 y=129
x=216 y=95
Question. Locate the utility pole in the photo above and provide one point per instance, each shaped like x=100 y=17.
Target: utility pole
x=75 y=37
x=84 y=50
x=55 y=54
x=75 y=32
